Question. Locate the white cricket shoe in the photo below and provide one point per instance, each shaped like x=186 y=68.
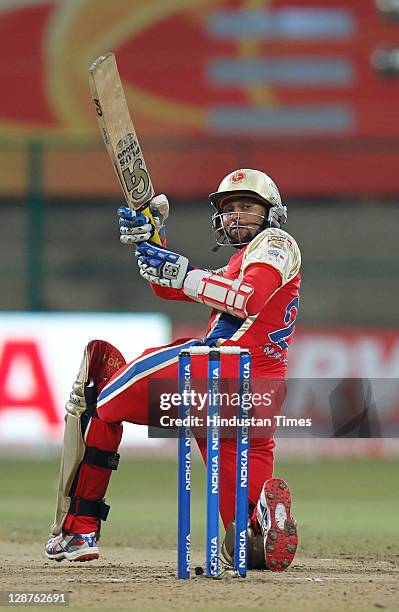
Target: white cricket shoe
x=74 y=547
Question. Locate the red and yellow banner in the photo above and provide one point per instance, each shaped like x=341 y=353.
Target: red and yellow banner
x=263 y=73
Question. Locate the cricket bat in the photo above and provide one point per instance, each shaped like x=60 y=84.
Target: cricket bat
x=120 y=137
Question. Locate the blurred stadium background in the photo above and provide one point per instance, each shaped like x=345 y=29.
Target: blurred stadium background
x=306 y=90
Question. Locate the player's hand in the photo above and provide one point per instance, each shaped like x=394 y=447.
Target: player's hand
x=162 y=267
x=136 y=228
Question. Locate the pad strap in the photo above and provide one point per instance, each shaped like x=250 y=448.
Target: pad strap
x=101 y=458
x=90 y=391
x=89 y=507
x=218 y=292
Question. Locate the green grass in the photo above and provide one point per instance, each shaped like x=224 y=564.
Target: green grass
x=342 y=507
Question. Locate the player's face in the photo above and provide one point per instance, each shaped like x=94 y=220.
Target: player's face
x=242 y=217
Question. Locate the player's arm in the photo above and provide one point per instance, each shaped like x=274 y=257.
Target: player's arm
x=168 y=293
x=137 y=228
x=164 y=270
x=172 y=277
x=261 y=277
x=241 y=297
x=271 y=259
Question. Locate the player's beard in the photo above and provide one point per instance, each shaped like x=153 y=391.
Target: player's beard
x=231 y=229
x=238 y=232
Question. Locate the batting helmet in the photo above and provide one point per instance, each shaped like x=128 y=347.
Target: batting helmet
x=252 y=183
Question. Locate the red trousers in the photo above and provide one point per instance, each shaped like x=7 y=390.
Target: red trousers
x=126 y=398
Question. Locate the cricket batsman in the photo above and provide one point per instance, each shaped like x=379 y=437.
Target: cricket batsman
x=253 y=303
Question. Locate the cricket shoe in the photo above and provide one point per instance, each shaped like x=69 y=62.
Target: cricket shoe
x=279 y=530
x=73 y=547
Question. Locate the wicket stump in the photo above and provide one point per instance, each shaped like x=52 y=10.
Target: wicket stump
x=213 y=461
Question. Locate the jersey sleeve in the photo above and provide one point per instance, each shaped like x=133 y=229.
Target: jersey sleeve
x=275 y=248
x=265 y=280
x=167 y=293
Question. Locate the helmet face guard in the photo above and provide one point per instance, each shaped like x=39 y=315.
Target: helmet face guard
x=258 y=187
x=222 y=237
x=221 y=227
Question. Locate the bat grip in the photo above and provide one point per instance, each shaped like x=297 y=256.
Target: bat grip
x=155 y=238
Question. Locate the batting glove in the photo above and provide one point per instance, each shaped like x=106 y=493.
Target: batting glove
x=136 y=228
x=133 y=228
x=162 y=267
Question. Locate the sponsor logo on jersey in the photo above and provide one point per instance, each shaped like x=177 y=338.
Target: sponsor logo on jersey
x=278 y=255
x=278 y=239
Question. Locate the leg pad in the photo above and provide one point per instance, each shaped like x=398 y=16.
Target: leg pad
x=100 y=361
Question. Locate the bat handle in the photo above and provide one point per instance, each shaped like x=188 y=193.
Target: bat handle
x=155 y=238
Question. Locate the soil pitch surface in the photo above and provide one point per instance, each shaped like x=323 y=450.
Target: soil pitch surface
x=146 y=580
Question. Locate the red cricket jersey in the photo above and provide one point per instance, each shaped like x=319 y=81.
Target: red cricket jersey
x=268 y=333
